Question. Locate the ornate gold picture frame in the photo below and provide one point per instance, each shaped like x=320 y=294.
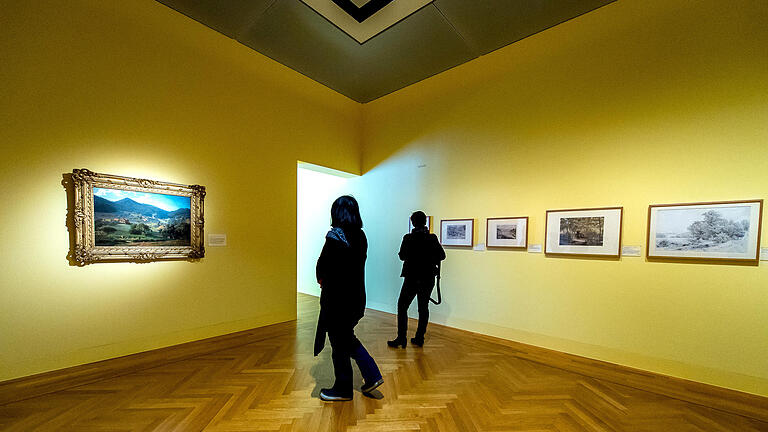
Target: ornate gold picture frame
x=120 y=218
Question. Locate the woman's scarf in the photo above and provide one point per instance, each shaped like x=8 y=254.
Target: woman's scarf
x=337 y=233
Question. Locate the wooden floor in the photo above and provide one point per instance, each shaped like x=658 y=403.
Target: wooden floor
x=455 y=383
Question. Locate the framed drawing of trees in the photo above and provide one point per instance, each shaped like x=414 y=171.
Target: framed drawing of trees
x=132 y=219
x=719 y=230
x=587 y=232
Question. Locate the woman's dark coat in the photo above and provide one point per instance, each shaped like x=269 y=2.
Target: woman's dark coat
x=421 y=252
x=341 y=274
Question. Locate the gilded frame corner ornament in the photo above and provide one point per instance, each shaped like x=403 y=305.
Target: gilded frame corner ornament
x=86 y=251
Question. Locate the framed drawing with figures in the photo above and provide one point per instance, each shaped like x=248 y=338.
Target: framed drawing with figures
x=586 y=232
x=509 y=232
x=457 y=232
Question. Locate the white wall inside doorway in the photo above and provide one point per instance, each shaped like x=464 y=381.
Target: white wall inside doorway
x=317 y=188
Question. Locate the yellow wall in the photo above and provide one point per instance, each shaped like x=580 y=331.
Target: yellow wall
x=635 y=103
x=135 y=88
x=638 y=102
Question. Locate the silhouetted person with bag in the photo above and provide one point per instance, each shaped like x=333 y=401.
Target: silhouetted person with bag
x=341 y=275
x=421 y=253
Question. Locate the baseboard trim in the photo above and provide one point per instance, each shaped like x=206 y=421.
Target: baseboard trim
x=707 y=395
x=48 y=382
x=720 y=398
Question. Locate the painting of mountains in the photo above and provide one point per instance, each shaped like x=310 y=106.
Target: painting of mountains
x=128 y=218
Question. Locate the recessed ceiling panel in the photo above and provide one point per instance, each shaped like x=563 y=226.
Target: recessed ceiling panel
x=424 y=44
x=488 y=25
x=379 y=20
x=293 y=34
x=405 y=40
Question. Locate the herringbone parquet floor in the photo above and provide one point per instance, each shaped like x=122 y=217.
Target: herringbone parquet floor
x=455 y=383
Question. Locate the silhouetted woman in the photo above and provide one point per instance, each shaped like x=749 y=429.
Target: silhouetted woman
x=421 y=253
x=341 y=275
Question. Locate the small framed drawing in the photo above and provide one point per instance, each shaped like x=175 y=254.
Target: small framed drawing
x=429 y=224
x=131 y=219
x=457 y=232
x=721 y=230
x=585 y=232
x=511 y=232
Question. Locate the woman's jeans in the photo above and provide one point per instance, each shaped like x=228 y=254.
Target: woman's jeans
x=421 y=289
x=346 y=346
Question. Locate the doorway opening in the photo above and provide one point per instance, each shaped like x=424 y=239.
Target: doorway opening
x=316 y=189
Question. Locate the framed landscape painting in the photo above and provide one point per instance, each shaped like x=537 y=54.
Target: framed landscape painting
x=126 y=218
x=586 y=232
x=429 y=224
x=457 y=232
x=720 y=230
x=511 y=232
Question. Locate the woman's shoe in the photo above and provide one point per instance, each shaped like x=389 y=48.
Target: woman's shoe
x=419 y=342
x=396 y=343
x=369 y=387
x=332 y=395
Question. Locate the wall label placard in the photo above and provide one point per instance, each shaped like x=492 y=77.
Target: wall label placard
x=534 y=248
x=217 y=240
x=764 y=254
x=631 y=251
x=480 y=247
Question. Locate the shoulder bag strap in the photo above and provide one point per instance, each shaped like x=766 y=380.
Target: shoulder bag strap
x=439 y=295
